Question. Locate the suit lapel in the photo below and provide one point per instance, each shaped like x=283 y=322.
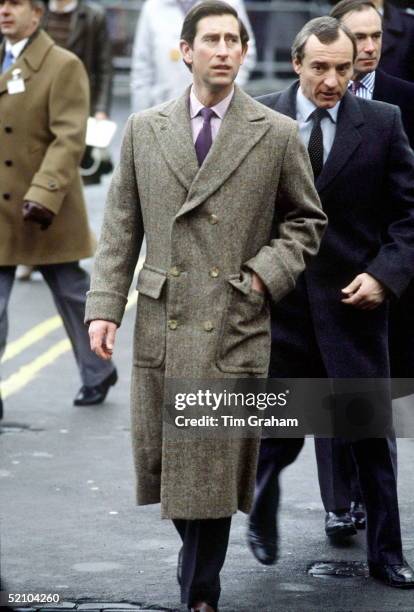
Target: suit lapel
x=243 y=126
x=347 y=139
x=78 y=26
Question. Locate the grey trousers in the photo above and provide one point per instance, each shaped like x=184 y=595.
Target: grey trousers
x=68 y=283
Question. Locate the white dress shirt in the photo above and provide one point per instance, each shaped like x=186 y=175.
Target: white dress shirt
x=304 y=109
x=366 y=88
x=197 y=120
x=17 y=48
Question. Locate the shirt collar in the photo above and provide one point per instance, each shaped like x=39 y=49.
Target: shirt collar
x=67 y=9
x=220 y=109
x=17 y=48
x=305 y=107
x=367 y=82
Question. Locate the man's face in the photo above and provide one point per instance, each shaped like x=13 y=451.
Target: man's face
x=18 y=19
x=367 y=27
x=325 y=70
x=216 y=54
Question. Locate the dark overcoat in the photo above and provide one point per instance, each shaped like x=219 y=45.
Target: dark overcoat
x=206 y=230
x=398 y=43
x=401 y=93
x=367 y=191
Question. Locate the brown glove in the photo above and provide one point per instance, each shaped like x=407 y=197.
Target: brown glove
x=37 y=214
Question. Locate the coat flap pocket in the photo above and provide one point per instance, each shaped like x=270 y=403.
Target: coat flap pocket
x=150 y=282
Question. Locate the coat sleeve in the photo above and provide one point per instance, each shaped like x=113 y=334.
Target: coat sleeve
x=142 y=63
x=298 y=227
x=120 y=242
x=68 y=112
x=394 y=264
x=103 y=63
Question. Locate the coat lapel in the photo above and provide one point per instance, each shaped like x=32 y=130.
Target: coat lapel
x=243 y=126
x=31 y=59
x=347 y=139
x=173 y=131
x=78 y=26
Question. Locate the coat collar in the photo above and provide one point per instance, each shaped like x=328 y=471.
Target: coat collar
x=30 y=60
x=243 y=126
x=347 y=137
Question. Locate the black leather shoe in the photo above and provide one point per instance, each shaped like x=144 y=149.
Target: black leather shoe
x=263 y=547
x=358 y=515
x=339 y=525
x=89 y=396
x=398 y=576
x=180 y=565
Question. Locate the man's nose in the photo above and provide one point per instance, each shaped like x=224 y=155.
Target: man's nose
x=331 y=80
x=369 y=46
x=222 y=48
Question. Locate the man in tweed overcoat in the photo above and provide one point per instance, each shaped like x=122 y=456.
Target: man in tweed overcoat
x=210 y=270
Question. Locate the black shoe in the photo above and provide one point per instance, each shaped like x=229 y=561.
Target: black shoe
x=339 y=525
x=1 y=408
x=358 y=515
x=400 y=576
x=180 y=565
x=263 y=547
x=89 y=396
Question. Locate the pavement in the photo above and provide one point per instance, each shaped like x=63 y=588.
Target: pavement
x=69 y=523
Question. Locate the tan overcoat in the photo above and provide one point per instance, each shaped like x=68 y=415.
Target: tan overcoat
x=206 y=229
x=42 y=138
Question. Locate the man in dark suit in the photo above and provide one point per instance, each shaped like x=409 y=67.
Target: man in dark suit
x=337 y=475
x=334 y=324
x=398 y=41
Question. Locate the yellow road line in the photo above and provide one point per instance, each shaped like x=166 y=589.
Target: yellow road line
x=27 y=373
x=35 y=334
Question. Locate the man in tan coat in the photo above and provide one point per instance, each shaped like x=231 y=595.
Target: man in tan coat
x=44 y=104
x=203 y=178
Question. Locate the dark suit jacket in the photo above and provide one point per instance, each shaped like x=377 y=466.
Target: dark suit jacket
x=367 y=179
x=396 y=91
x=398 y=43
x=89 y=40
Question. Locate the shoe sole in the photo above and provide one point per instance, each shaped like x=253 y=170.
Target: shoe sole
x=342 y=532
x=390 y=584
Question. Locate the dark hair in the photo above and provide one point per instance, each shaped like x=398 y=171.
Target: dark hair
x=207 y=9
x=349 y=6
x=326 y=30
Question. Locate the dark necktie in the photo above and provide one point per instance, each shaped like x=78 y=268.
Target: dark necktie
x=7 y=61
x=315 y=146
x=355 y=85
x=204 y=138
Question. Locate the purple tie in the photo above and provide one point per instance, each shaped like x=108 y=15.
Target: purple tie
x=204 y=138
x=355 y=85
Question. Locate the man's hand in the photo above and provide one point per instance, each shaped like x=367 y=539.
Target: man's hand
x=102 y=338
x=257 y=284
x=100 y=116
x=37 y=214
x=364 y=292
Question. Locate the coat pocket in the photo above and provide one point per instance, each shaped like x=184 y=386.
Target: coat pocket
x=149 y=334
x=244 y=342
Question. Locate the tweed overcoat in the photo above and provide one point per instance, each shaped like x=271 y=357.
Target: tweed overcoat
x=42 y=138
x=206 y=230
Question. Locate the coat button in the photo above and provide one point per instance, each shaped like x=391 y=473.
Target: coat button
x=52 y=184
x=8 y=129
x=175 y=271
x=214 y=272
x=213 y=219
x=6 y=196
x=172 y=324
x=8 y=162
x=208 y=326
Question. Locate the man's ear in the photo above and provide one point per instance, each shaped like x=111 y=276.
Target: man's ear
x=186 y=51
x=244 y=52
x=297 y=65
x=38 y=12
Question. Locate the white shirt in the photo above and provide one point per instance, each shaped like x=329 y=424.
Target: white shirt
x=17 y=48
x=197 y=120
x=53 y=7
x=367 y=84
x=304 y=108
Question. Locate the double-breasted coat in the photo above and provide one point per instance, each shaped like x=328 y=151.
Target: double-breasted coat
x=42 y=139
x=207 y=229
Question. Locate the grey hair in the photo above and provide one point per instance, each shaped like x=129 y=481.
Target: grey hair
x=326 y=30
